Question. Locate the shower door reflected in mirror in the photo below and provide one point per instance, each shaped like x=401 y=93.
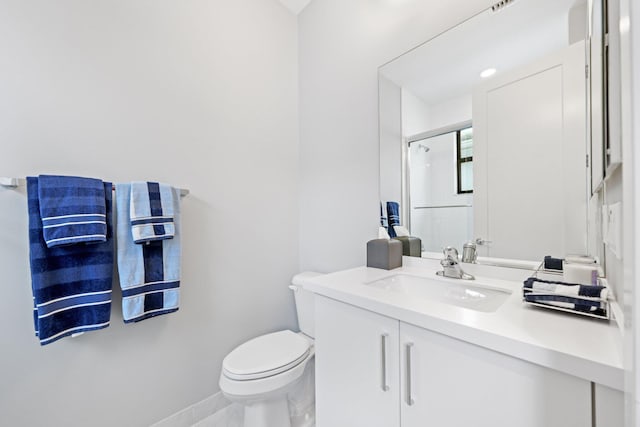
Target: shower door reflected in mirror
x=440 y=168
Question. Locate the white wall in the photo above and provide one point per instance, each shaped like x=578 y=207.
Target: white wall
x=342 y=43
x=199 y=94
x=631 y=267
x=631 y=182
x=390 y=102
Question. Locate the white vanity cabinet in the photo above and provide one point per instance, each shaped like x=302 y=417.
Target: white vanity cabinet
x=357 y=367
x=451 y=383
x=373 y=370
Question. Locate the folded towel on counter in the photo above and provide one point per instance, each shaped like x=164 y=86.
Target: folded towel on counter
x=571 y=289
x=72 y=210
x=582 y=298
x=71 y=284
x=151 y=211
x=149 y=273
x=575 y=304
x=393 y=216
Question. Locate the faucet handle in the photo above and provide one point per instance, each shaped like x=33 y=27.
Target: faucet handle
x=450 y=252
x=480 y=241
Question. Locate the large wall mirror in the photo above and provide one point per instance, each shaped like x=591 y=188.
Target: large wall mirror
x=485 y=132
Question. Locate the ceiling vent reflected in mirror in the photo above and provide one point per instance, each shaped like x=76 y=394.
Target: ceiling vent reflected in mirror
x=501 y=5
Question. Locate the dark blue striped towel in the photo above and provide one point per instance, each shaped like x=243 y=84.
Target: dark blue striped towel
x=150 y=273
x=151 y=212
x=393 y=217
x=572 y=296
x=71 y=284
x=72 y=210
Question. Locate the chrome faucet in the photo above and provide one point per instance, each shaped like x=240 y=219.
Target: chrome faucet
x=451 y=265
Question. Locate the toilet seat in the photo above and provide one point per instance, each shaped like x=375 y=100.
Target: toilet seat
x=266 y=356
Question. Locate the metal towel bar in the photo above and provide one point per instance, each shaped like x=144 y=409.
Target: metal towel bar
x=20 y=182
x=443 y=206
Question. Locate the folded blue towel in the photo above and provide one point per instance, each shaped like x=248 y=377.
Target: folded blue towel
x=559 y=287
x=570 y=303
x=71 y=284
x=149 y=273
x=151 y=212
x=572 y=296
x=72 y=210
x=393 y=216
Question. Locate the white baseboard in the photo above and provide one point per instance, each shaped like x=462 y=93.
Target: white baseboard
x=197 y=412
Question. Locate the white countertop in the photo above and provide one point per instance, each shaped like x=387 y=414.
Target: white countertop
x=584 y=347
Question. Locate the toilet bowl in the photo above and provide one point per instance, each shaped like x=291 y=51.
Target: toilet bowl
x=260 y=373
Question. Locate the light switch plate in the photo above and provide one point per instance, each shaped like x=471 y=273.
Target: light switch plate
x=605 y=224
x=613 y=238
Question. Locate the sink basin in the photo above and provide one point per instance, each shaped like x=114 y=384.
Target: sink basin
x=461 y=293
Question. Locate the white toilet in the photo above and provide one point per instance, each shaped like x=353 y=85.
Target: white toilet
x=261 y=373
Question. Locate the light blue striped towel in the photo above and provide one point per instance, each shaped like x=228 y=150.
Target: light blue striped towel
x=71 y=284
x=393 y=217
x=383 y=217
x=149 y=273
x=72 y=210
x=151 y=212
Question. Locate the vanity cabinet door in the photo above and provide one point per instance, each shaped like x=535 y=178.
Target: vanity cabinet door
x=609 y=407
x=449 y=383
x=357 y=382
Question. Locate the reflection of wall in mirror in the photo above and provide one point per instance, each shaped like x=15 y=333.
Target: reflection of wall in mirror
x=416 y=114
x=419 y=117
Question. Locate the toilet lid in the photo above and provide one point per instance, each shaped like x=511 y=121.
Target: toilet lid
x=266 y=355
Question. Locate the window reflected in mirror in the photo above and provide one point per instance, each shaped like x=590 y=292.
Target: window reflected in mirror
x=464 y=161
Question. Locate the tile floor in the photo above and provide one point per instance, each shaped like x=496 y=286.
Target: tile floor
x=233 y=416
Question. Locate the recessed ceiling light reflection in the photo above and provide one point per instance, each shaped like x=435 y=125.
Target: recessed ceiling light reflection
x=488 y=73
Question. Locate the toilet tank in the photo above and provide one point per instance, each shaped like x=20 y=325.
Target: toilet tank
x=304 y=303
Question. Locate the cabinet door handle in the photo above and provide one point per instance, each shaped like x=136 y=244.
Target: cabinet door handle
x=408 y=347
x=383 y=361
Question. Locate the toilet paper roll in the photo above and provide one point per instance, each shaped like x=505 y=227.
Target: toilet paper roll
x=583 y=274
